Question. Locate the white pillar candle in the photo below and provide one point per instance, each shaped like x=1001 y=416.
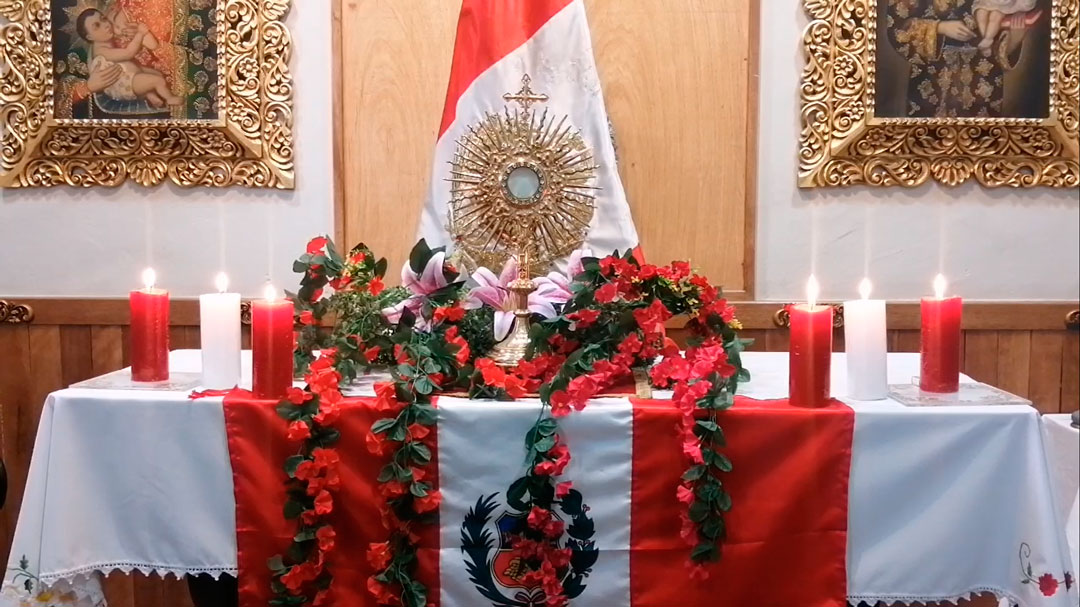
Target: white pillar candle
x=219 y=320
x=864 y=341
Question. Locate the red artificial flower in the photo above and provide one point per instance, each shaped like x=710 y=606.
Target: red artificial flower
x=671 y=368
x=294 y=578
x=581 y=389
x=379 y=555
x=448 y=313
x=607 y=293
x=382 y=592
x=342 y=283
x=376 y=286
x=297 y=396
x=307 y=318
x=515 y=386
x=698 y=573
x=315 y=295
x=584 y=318
x=560 y=403
x=544 y=468
x=688 y=531
x=685 y=494
x=631 y=344
x=1048 y=585
x=324 y=503
x=357 y=258
x=322 y=597
x=386 y=397
x=299 y=430
x=652 y=319
x=563 y=489
x=392 y=489
x=428 y=503
x=306 y=470
x=371 y=354
x=647 y=272
x=374 y=444
x=316 y=245
x=418 y=431
x=325 y=536
x=538 y=517
x=692 y=450
x=326 y=459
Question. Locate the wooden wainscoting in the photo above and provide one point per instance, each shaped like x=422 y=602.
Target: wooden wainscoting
x=1023 y=348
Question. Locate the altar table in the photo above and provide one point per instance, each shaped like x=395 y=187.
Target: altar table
x=943 y=501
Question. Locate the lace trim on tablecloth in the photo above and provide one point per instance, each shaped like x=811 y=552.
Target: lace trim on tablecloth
x=80 y=581
x=912 y=599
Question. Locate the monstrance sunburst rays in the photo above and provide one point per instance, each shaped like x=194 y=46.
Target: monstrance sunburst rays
x=489 y=221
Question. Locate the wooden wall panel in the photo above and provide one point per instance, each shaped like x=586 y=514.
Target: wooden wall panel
x=677 y=79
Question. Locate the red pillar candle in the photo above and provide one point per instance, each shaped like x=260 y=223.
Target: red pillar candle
x=940 y=347
x=272 y=346
x=810 y=352
x=149 y=331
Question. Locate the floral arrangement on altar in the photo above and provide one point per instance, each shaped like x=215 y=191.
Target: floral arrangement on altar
x=593 y=327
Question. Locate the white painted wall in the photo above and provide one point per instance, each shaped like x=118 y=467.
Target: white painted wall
x=991 y=243
x=94 y=243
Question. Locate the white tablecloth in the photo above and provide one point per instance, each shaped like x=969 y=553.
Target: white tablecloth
x=1063 y=453
x=941 y=500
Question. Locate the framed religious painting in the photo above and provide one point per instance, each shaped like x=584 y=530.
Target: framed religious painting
x=96 y=92
x=897 y=92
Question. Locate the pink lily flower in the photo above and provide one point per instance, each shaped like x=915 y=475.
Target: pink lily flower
x=420 y=285
x=557 y=284
x=494 y=291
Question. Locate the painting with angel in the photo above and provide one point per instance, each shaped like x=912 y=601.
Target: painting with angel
x=135 y=59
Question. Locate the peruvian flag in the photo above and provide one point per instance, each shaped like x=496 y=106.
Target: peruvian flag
x=786 y=537
x=499 y=43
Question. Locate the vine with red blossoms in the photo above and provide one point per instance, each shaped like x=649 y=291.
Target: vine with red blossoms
x=608 y=319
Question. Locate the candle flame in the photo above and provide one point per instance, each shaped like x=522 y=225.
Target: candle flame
x=939 y=286
x=221 y=281
x=270 y=293
x=812 y=290
x=864 y=288
x=149 y=277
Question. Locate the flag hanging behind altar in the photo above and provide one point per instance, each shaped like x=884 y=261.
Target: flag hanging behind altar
x=498 y=43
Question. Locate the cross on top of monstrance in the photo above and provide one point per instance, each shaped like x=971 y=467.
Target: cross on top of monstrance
x=525 y=96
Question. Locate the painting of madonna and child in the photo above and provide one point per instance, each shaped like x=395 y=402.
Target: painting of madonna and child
x=963 y=59
x=135 y=59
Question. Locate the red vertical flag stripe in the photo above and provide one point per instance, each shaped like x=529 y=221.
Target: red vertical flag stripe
x=489 y=30
x=787 y=531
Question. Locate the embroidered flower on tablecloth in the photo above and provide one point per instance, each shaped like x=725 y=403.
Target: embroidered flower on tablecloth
x=1047 y=583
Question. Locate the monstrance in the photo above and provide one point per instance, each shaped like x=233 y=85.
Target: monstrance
x=520 y=181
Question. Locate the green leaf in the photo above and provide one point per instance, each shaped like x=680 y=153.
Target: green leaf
x=724 y=501
x=424 y=385
x=708 y=425
x=382 y=425
x=275 y=563
x=694 y=473
x=545 y=444
x=388 y=472
x=288 y=411
x=426 y=415
x=572 y=503
x=705 y=551
x=291 y=463
x=698 y=511
x=547 y=426
x=418 y=489
x=419 y=256
x=421 y=452
x=292 y=509
x=304 y=536
x=515 y=495
x=713 y=528
x=721 y=462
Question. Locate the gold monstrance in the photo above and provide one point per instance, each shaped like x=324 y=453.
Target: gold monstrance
x=521 y=184
x=509 y=351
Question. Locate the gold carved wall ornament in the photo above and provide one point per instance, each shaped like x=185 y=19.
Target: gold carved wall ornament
x=15 y=313
x=521 y=181
x=896 y=92
x=223 y=118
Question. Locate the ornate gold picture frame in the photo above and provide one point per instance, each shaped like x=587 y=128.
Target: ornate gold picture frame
x=196 y=91
x=895 y=92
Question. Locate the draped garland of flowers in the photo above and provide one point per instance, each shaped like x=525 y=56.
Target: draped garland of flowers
x=593 y=326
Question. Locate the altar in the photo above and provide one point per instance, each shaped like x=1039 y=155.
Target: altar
x=141 y=480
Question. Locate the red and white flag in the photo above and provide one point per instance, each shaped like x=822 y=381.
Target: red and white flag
x=498 y=43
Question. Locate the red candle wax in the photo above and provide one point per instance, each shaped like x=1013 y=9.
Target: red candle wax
x=272 y=347
x=149 y=334
x=940 y=347
x=811 y=355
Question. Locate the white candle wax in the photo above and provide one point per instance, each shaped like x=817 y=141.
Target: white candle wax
x=865 y=344
x=219 y=315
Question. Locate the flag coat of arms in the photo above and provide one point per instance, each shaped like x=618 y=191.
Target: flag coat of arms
x=529 y=64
